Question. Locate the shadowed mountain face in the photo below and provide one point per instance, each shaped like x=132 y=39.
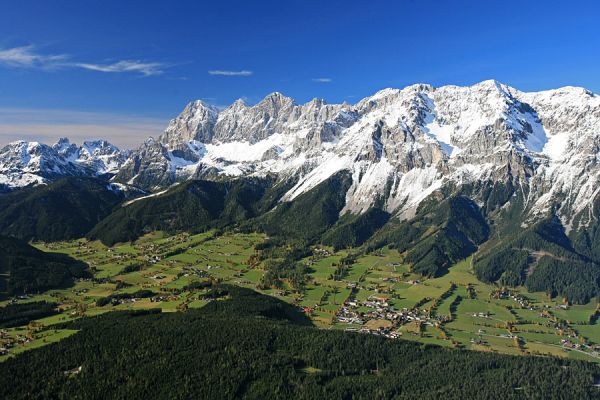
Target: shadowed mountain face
x=192 y=206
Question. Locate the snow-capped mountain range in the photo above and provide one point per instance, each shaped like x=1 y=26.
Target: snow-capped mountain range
x=24 y=163
x=400 y=145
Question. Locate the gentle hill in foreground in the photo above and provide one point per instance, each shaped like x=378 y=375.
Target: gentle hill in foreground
x=245 y=345
x=25 y=269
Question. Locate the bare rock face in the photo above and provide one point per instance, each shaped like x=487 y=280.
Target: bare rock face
x=196 y=122
x=149 y=166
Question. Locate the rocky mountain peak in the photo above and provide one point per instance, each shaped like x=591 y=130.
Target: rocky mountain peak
x=61 y=144
x=195 y=122
x=276 y=100
x=237 y=106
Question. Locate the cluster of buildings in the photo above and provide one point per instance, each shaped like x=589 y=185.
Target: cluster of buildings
x=164 y=297
x=7 y=342
x=509 y=294
x=198 y=272
x=570 y=344
x=355 y=312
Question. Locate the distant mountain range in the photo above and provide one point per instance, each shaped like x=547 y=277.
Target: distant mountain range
x=30 y=163
x=510 y=175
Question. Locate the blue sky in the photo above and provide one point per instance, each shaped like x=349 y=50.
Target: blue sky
x=121 y=69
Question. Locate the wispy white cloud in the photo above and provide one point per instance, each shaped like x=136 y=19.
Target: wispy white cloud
x=27 y=57
x=147 y=69
x=230 y=73
x=47 y=125
x=322 y=80
x=24 y=57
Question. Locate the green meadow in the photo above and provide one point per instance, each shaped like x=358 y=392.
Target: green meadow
x=476 y=317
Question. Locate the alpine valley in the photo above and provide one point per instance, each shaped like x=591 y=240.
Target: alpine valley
x=518 y=171
x=466 y=217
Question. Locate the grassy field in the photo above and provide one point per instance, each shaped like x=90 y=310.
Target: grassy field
x=456 y=310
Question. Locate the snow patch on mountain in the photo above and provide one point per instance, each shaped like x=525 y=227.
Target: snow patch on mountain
x=325 y=170
x=537 y=139
x=148 y=196
x=440 y=133
x=414 y=187
x=244 y=151
x=556 y=146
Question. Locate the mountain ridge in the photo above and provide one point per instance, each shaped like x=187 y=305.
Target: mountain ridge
x=405 y=143
x=400 y=146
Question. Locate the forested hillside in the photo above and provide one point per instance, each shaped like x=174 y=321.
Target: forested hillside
x=310 y=214
x=65 y=209
x=543 y=258
x=192 y=206
x=441 y=234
